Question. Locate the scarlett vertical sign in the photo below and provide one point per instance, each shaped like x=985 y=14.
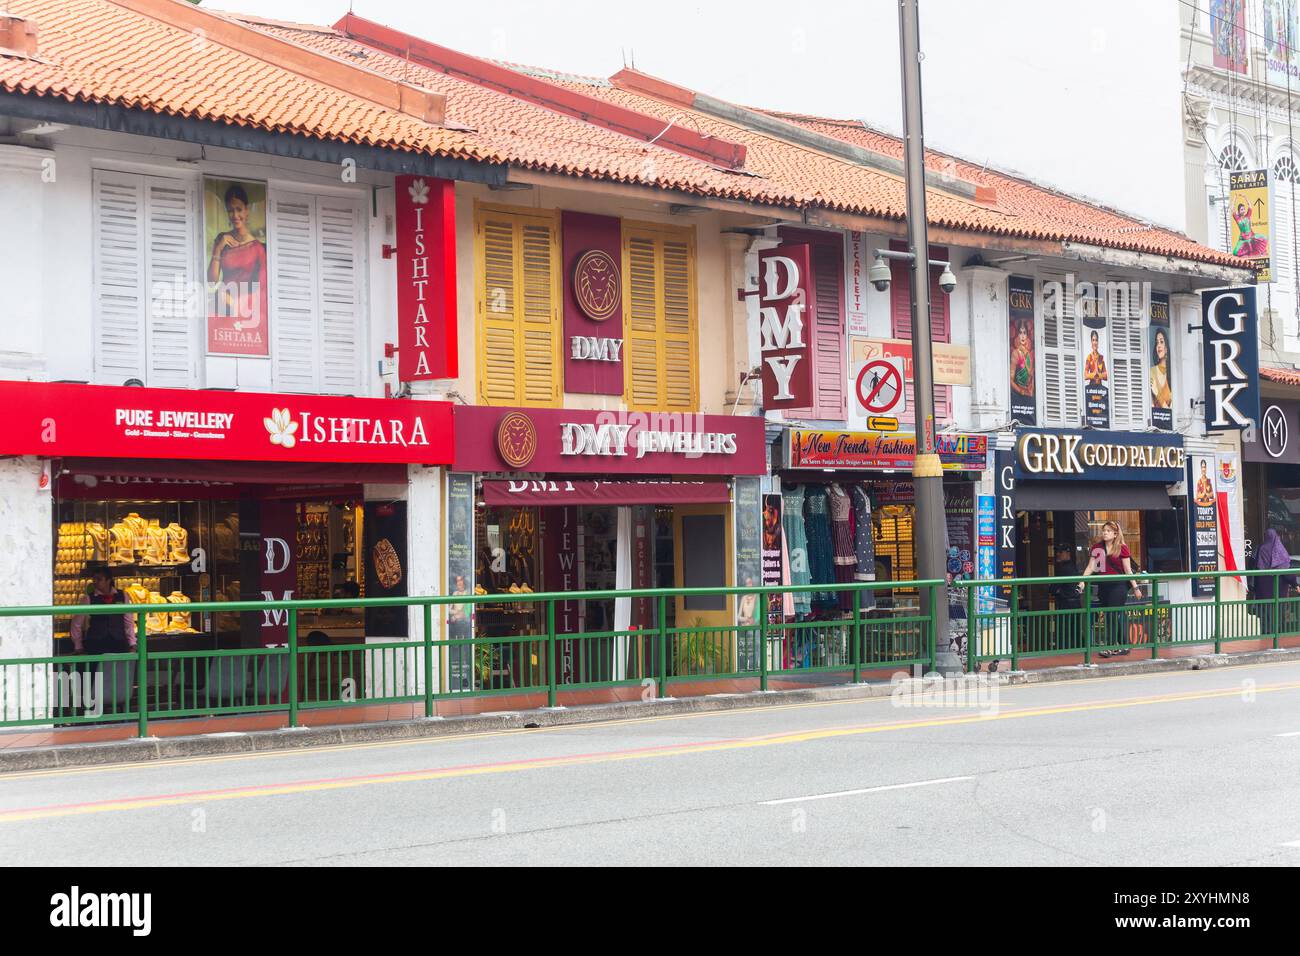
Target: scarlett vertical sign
x=426 y=278
x=783 y=334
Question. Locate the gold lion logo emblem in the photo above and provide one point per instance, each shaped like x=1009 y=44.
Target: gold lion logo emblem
x=596 y=285
x=516 y=440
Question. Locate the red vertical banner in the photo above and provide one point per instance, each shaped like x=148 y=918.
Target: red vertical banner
x=279 y=581
x=784 y=334
x=593 y=303
x=560 y=542
x=426 y=278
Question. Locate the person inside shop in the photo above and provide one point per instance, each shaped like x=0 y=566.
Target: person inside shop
x=1111 y=558
x=1066 y=597
x=104 y=633
x=1272 y=556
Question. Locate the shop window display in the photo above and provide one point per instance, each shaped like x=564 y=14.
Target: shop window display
x=329 y=537
x=167 y=554
x=157 y=551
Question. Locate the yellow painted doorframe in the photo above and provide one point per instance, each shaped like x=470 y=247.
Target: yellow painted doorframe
x=684 y=617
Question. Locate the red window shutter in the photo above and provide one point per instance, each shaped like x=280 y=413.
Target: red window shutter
x=900 y=297
x=900 y=309
x=828 y=338
x=825 y=323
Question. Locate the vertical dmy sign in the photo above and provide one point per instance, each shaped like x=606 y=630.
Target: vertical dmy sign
x=426 y=278
x=1229 y=327
x=783 y=308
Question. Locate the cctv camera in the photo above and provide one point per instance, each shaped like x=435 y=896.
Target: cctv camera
x=879 y=275
x=947 y=281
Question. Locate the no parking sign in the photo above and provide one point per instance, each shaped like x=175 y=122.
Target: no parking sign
x=878 y=387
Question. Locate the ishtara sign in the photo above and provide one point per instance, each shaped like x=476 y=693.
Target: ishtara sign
x=113 y=421
x=426 y=278
x=783 y=304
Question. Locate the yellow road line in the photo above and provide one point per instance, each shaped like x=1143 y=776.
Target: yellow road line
x=561 y=728
x=516 y=766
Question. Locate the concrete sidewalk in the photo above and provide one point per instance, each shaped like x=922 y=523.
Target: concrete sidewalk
x=90 y=753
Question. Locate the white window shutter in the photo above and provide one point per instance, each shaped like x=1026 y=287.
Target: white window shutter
x=1216 y=230
x=1128 y=392
x=1061 y=361
x=171 y=323
x=340 y=259
x=1282 y=241
x=295 y=342
x=119 y=280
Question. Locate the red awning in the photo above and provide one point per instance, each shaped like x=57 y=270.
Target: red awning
x=586 y=491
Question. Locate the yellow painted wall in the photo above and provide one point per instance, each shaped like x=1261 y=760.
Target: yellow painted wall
x=715 y=272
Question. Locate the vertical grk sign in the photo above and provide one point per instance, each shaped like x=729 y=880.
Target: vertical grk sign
x=1229 y=325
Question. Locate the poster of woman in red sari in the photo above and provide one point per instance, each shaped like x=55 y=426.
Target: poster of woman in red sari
x=234 y=226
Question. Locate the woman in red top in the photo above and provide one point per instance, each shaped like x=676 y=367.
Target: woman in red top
x=1111 y=558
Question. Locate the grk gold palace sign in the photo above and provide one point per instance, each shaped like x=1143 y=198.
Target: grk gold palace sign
x=1099 y=455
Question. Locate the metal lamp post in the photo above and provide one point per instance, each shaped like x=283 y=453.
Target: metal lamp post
x=927 y=473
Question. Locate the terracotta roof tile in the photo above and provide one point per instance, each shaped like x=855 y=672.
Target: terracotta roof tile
x=1286 y=376
x=1044 y=211
x=97 y=51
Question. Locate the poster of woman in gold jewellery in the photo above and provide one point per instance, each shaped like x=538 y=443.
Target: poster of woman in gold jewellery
x=1248 y=207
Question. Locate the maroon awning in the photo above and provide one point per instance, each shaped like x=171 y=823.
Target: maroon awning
x=586 y=491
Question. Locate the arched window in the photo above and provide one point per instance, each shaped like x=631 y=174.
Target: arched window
x=1232 y=159
x=1282 y=222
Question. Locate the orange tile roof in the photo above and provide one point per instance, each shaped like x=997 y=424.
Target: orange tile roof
x=103 y=52
x=1043 y=212
x=1286 y=376
x=140 y=54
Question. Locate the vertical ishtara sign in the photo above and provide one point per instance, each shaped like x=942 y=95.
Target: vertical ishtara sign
x=426 y=278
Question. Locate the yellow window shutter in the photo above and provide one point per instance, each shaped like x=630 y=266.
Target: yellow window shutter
x=659 y=271
x=541 y=335
x=679 y=325
x=517 y=277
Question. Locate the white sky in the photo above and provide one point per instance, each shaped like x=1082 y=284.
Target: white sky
x=1085 y=97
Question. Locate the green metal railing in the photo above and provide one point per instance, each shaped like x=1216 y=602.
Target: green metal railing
x=1013 y=620
x=855 y=628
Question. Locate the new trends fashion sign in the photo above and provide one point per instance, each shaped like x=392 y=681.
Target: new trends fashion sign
x=1229 y=325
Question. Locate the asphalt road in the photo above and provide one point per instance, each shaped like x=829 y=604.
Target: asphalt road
x=1199 y=768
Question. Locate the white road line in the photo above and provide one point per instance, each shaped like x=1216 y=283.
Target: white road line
x=854 y=793
x=1294 y=844
x=1294 y=733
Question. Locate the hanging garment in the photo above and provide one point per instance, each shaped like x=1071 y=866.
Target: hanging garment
x=846 y=560
x=821 y=554
x=864 y=542
x=792 y=521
